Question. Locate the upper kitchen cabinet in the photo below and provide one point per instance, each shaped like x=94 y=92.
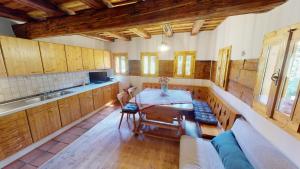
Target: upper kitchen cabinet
x=2 y=66
x=74 y=58
x=53 y=57
x=88 y=59
x=21 y=56
x=107 y=59
x=99 y=59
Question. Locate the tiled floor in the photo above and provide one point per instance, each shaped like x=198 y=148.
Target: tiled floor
x=40 y=155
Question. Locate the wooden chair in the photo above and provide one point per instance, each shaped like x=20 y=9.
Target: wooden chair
x=127 y=108
x=131 y=91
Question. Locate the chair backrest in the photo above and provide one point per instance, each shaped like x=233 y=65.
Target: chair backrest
x=131 y=91
x=122 y=98
x=161 y=113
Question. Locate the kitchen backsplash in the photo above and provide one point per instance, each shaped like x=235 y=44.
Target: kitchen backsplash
x=17 y=87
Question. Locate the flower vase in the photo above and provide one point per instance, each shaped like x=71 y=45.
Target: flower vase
x=164 y=89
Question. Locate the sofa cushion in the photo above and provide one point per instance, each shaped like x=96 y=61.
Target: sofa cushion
x=229 y=151
x=201 y=107
x=130 y=108
x=206 y=118
x=260 y=152
x=197 y=153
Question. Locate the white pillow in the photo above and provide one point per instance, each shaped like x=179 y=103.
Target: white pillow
x=197 y=153
x=260 y=153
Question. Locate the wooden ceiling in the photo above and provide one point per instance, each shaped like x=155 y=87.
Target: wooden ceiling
x=123 y=19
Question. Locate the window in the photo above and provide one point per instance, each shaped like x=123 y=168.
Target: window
x=223 y=67
x=121 y=63
x=184 y=64
x=149 y=64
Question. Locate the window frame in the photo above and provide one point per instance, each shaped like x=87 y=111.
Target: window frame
x=119 y=55
x=184 y=54
x=149 y=54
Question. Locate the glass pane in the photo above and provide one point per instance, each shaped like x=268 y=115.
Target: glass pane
x=188 y=65
x=291 y=83
x=272 y=53
x=123 y=64
x=146 y=69
x=117 y=64
x=152 y=65
x=179 y=65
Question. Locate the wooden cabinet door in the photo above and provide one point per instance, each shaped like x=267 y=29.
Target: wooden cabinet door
x=14 y=135
x=98 y=97
x=2 y=66
x=107 y=94
x=53 y=57
x=74 y=58
x=15 y=63
x=86 y=103
x=88 y=59
x=99 y=59
x=69 y=109
x=107 y=59
x=43 y=120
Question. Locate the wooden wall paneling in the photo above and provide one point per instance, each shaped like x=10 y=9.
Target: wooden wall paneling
x=86 y=102
x=213 y=71
x=98 y=97
x=69 y=109
x=166 y=68
x=134 y=67
x=43 y=120
x=107 y=59
x=99 y=58
x=74 y=58
x=2 y=66
x=53 y=57
x=88 y=60
x=15 y=134
x=202 y=69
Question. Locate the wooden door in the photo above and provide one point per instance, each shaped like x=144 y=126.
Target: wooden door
x=69 y=109
x=86 y=103
x=31 y=55
x=15 y=134
x=43 y=120
x=74 y=58
x=53 y=57
x=223 y=67
x=107 y=59
x=99 y=59
x=107 y=94
x=2 y=66
x=98 y=97
x=14 y=61
x=88 y=59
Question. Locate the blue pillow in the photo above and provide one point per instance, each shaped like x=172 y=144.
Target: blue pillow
x=230 y=152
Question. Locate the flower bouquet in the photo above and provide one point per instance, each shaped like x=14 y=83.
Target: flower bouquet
x=164 y=85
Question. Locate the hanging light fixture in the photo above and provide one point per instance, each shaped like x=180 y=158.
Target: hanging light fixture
x=164 y=47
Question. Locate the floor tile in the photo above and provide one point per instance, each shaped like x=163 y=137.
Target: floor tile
x=57 y=147
x=86 y=125
x=15 y=165
x=77 y=131
x=28 y=166
x=48 y=145
x=66 y=138
x=32 y=155
x=45 y=156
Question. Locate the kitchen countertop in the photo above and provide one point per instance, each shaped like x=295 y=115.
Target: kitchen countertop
x=75 y=91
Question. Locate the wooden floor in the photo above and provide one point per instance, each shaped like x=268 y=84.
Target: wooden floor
x=106 y=147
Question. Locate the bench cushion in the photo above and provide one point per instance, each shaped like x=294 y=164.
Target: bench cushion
x=197 y=153
x=130 y=108
x=201 y=107
x=206 y=118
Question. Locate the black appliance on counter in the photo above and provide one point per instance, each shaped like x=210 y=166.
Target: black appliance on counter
x=98 y=77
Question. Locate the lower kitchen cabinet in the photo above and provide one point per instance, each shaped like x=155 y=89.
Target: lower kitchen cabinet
x=98 y=98
x=44 y=120
x=69 y=109
x=107 y=94
x=15 y=133
x=115 y=91
x=86 y=102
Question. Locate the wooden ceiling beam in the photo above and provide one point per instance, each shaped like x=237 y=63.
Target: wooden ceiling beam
x=42 y=5
x=98 y=37
x=140 y=32
x=117 y=36
x=14 y=14
x=141 y=13
x=197 y=26
x=96 y=4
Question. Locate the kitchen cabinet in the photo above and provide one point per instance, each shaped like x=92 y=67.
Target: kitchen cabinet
x=2 y=66
x=74 y=58
x=88 y=59
x=15 y=134
x=107 y=59
x=99 y=59
x=69 y=109
x=107 y=94
x=53 y=57
x=115 y=91
x=43 y=120
x=21 y=56
x=86 y=103
x=98 y=98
